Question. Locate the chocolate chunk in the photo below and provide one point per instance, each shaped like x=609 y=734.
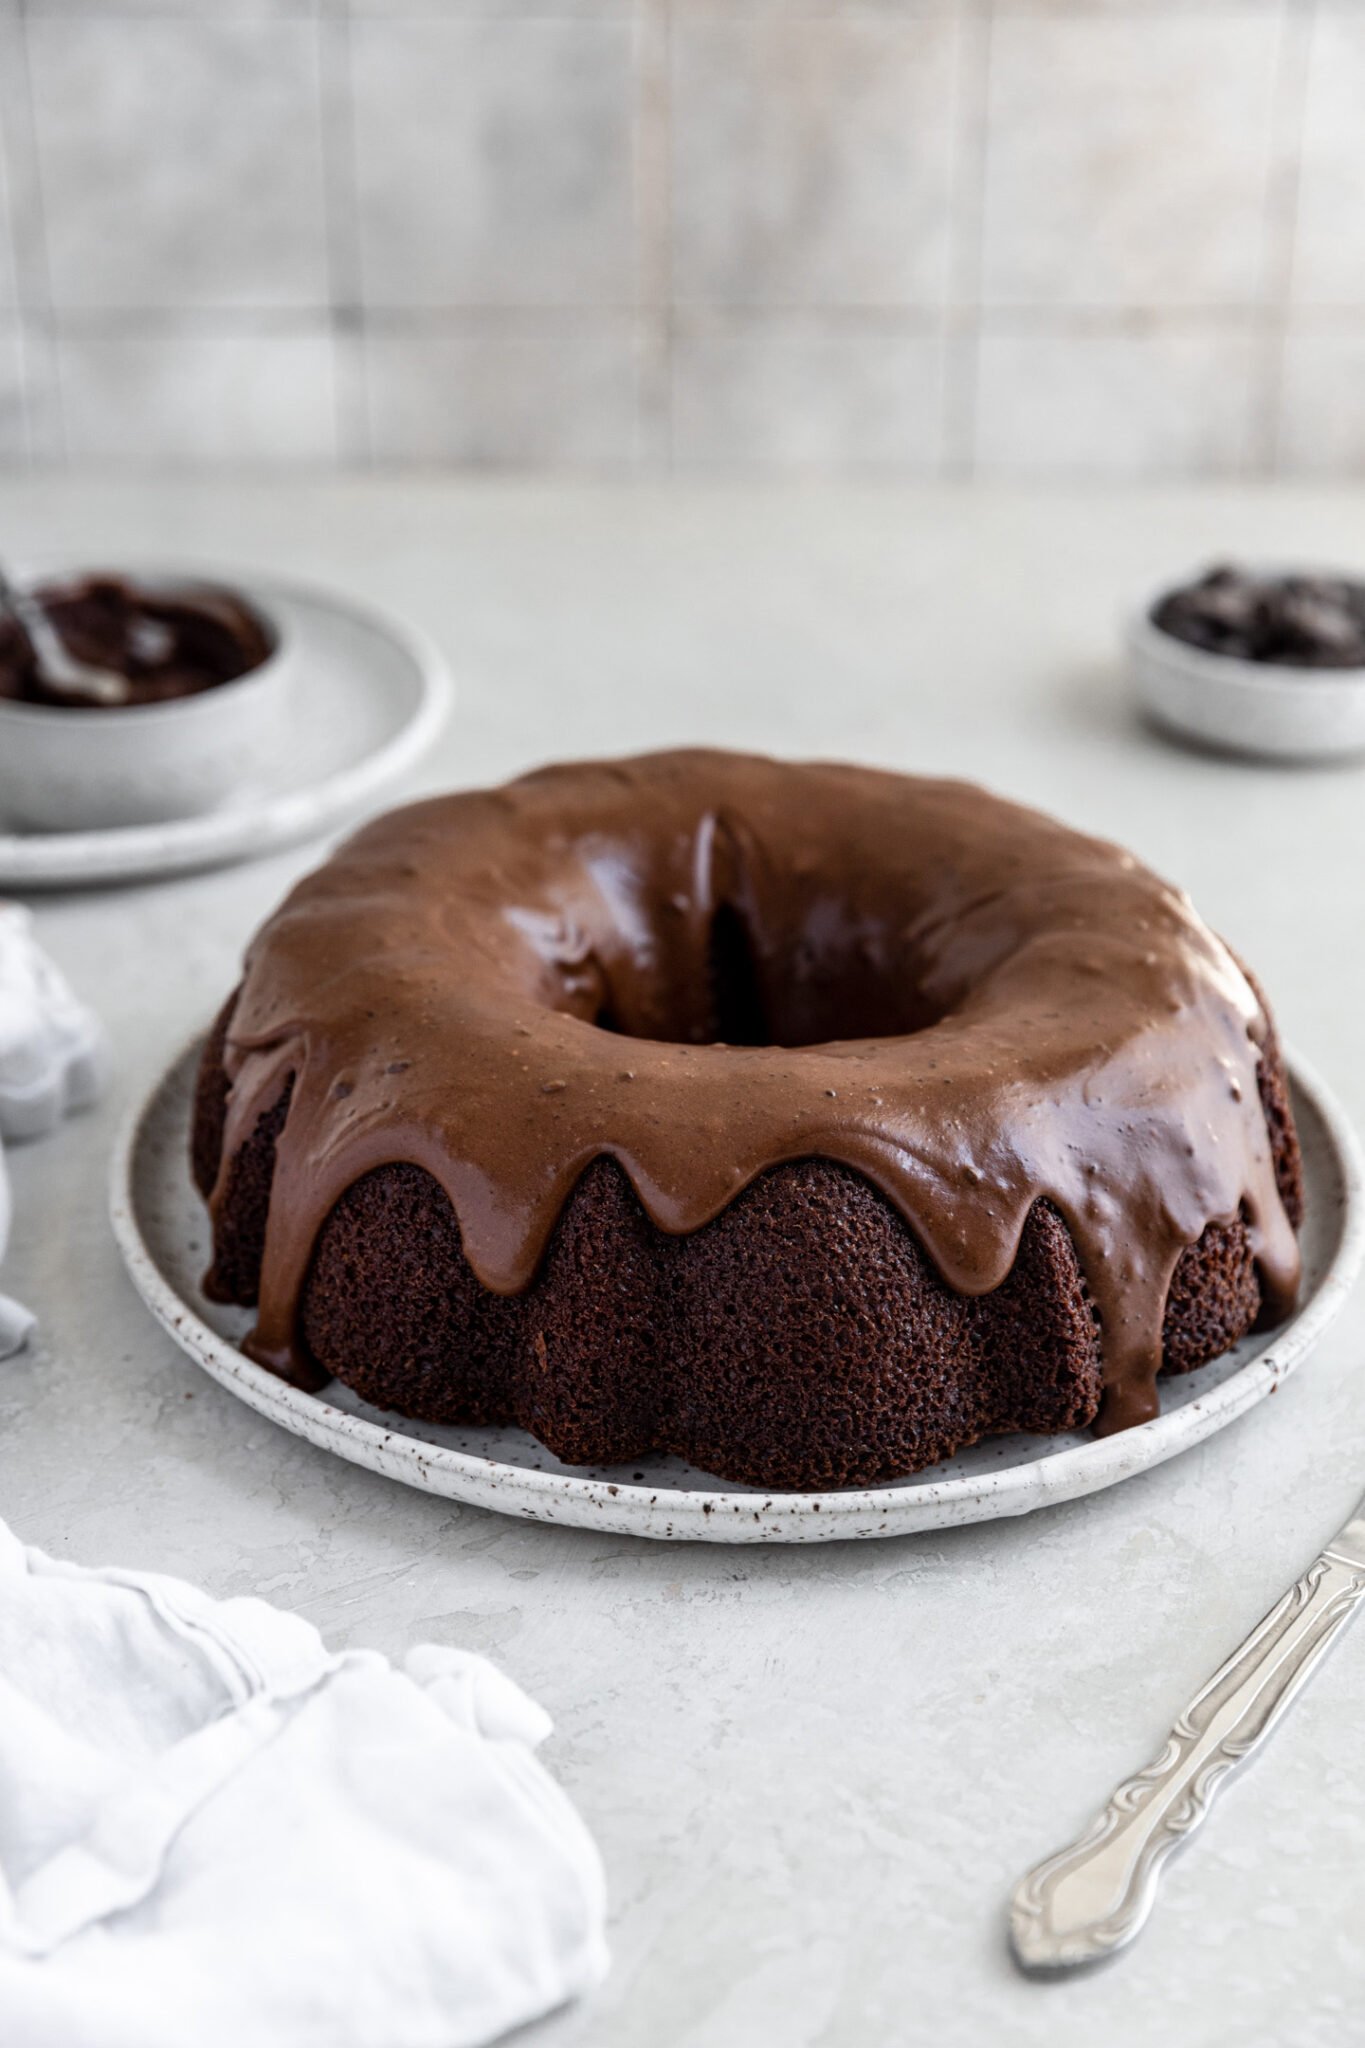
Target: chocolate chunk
x=1297 y=621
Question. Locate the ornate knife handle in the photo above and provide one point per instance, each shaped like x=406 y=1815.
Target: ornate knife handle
x=1088 y=1900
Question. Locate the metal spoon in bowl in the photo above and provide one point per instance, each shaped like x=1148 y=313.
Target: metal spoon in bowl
x=62 y=668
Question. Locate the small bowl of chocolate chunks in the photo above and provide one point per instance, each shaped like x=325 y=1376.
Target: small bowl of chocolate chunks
x=1255 y=661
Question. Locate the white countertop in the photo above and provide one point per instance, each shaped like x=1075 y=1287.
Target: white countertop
x=814 y=1773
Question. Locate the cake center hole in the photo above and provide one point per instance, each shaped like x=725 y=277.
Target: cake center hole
x=832 y=983
x=737 y=1006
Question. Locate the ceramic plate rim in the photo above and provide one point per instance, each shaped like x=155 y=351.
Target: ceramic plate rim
x=121 y=853
x=718 y=1515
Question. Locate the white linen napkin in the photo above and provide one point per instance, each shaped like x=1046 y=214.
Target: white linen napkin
x=16 y=1321
x=214 y=1831
x=53 y=1059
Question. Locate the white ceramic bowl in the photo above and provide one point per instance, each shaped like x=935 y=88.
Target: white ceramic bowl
x=1267 y=709
x=65 y=770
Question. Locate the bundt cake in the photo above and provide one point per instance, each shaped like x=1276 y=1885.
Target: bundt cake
x=807 y=1121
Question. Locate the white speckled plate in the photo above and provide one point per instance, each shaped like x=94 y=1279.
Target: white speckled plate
x=368 y=698
x=162 y=1232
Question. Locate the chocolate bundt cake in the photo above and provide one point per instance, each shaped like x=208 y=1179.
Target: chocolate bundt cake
x=807 y=1121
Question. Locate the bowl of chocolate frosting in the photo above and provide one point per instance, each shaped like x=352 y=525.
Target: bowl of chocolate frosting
x=1257 y=661
x=131 y=699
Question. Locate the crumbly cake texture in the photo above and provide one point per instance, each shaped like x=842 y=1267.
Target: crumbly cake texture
x=801 y=1333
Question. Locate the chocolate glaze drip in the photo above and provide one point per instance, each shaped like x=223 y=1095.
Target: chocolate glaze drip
x=960 y=999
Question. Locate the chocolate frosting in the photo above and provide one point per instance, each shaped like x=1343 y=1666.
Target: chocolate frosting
x=165 y=640
x=703 y=964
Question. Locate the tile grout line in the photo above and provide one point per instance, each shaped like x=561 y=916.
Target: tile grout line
x=1289 y=135
x=694 y=320
x=652 y=141
x=526 y=321
x=44 y=410
x=553 y=320
x=341 y=229
x=22 y=455
x=670 y=215
x=967 y=229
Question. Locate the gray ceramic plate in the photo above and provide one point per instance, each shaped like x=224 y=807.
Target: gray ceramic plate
x=368 y=696
x=162 y=1232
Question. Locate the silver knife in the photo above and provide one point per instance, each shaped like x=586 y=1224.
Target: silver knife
x=1088 y=1900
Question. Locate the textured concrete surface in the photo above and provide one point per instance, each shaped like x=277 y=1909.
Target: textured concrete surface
x=814 y=1774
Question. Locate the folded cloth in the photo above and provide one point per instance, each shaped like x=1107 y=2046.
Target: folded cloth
x=15 y=1320
x=52 y=1049
x=53 y=1059
x=212 y=1830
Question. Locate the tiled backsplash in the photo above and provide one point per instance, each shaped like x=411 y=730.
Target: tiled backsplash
x=961 y=237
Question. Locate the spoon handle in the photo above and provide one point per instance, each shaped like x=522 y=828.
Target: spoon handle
x=1091 y=1898
x=77 y=678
